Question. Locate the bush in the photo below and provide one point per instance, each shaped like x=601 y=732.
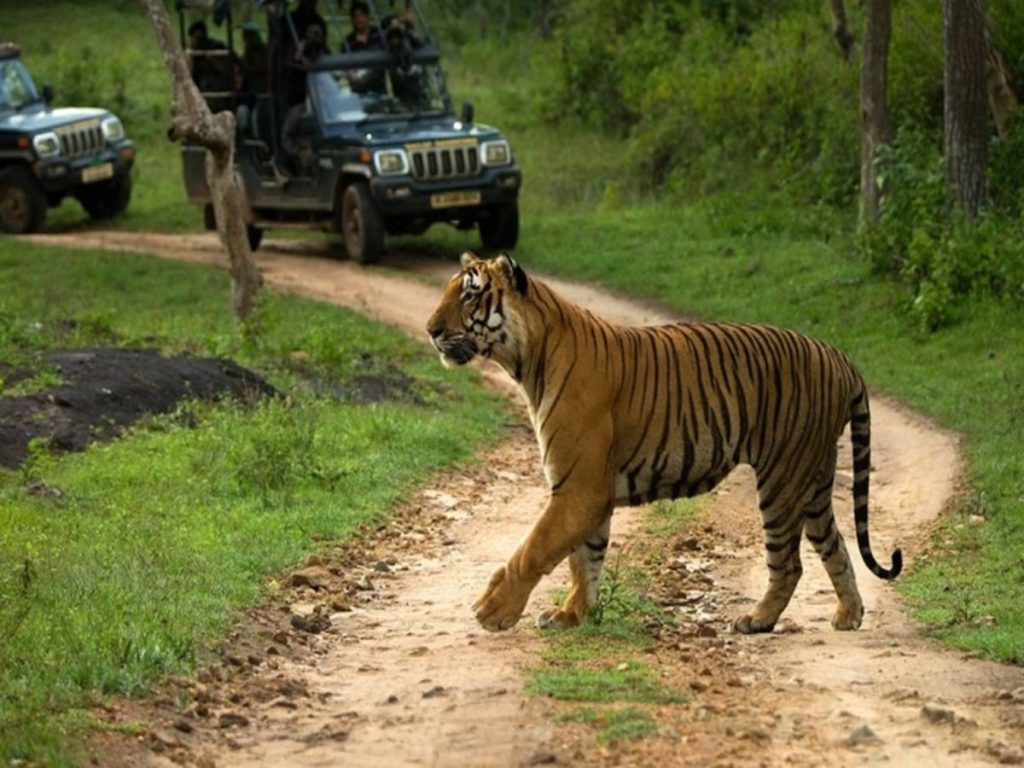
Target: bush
x=705 y=94
x=946 y=259
x=77 y=81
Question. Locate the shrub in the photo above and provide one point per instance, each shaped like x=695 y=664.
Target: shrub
x=946 y=259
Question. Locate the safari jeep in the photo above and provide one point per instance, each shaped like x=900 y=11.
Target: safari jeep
x=380 y=148
x=47 y=154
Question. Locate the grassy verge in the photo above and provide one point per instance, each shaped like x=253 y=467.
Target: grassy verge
x=595 y=670
x=142 y=550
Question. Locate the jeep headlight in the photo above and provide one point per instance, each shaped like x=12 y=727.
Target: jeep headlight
x=496 y=152
x=46 y=144
x=391 y=162
x=113 y=130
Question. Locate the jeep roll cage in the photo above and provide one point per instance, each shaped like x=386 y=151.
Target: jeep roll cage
x=279 y=20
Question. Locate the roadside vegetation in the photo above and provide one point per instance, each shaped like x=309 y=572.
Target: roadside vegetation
x=704 y=157
x=124 y=562
x=600 y=672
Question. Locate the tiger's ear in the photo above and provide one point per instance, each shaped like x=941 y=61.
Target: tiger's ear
x=468 y=259
x=515 y=273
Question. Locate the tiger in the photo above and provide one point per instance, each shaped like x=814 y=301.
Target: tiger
x=628 y=415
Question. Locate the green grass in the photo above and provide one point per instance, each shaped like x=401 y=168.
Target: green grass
x=147 y=548
x=597 y=661
x=614 y=725
x=668 y=518
x=628 y=681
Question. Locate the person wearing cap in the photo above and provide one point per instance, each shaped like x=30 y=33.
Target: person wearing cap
x=254 y=73
x=406 y=76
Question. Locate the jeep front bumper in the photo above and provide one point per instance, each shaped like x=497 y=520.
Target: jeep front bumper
x=409 y=198
x=61 y=176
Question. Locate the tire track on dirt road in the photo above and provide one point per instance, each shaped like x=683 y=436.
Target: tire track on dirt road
x=809 y=696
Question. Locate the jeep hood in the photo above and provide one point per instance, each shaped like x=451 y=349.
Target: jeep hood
x=35 y=118
x=391 y=132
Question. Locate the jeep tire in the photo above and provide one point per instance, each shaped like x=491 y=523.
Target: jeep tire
x=361 y=224
x=499 y=230
x=253 y=234
x=106 y=199
x=22 y=202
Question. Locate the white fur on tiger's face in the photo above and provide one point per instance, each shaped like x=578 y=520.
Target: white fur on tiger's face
x=477 y=313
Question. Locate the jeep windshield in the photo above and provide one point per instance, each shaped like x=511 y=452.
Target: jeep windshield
x=349 y=89
x=16 y=86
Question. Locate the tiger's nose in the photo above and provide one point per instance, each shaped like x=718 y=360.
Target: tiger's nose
x=435 y=330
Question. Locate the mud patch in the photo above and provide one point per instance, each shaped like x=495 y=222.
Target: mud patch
x=107 y=389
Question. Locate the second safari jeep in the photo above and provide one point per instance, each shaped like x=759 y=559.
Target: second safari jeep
x=363 y=143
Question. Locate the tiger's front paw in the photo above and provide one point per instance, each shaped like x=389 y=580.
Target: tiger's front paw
x=501 y=604
x=558 y=618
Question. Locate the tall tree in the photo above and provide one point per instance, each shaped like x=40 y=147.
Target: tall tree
x=841 y=29
x=875 y=124
x=1001 y=97
x=192 y=121
x=965 y=113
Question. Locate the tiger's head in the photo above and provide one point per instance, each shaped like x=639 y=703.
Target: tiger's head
x=479 y=314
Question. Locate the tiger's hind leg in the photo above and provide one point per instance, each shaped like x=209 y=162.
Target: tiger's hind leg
x=782 y=519
x=820 y=526
x=585 y=565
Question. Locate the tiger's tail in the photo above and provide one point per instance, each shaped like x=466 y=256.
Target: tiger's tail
x=860 y=435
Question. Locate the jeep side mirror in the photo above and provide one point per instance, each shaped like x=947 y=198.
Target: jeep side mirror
x=467 y=114
x=48 y=91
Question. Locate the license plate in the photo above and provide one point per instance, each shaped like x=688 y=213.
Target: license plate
x=453 y=199
x=97 y=173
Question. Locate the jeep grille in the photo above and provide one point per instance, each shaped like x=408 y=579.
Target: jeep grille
x=77 y=139
x=445 y=162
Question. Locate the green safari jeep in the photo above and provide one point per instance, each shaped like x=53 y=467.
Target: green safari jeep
x=358 y=142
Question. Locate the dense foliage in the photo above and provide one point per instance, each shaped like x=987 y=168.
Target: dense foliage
x=716 y=95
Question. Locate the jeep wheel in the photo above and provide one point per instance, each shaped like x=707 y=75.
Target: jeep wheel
x=500 y=229
x=106 y=199
x=361 y=224
x=22 y=202
x=254 y=234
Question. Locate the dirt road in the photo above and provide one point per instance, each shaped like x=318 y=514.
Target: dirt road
x=404 y=677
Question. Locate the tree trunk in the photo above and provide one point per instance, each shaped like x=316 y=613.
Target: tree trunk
x=966 y=109
x=545 y=20
x=1002 y=100
x=875 y=125
x=192 y=121
x=841 y=29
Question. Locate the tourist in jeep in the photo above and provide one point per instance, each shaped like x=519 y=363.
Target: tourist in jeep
x=406 y=76
x=364 y=36
x=209 y=60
